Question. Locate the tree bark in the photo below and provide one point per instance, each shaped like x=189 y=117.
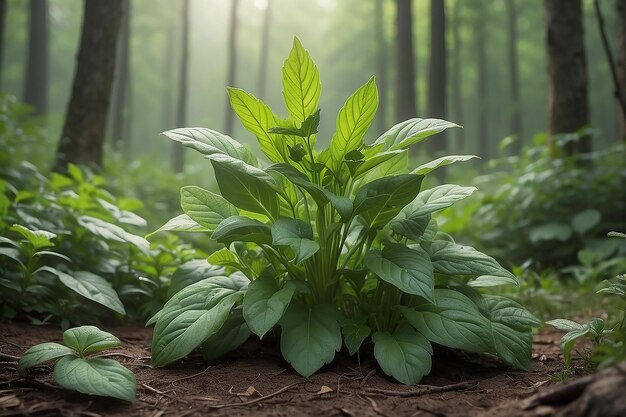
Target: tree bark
x=481 y=93
x=36 y=81
x=85 y=121
x=406 y=107
x=516 y=102
x=167 y=111
x=178 y=151
x=437 y=70
x=265 y=45
x=456 y=69
x=568 y=108
x=121 y=119
x=381 y=64
x=3 y=15
x=232 y=65
x=620 y=56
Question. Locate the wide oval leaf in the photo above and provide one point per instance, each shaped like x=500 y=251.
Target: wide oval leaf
x=41 y=353
x=191 y=272
x=435 y=199
x=204 y=207
x=242 y=229
x=301 y=83
x=180 y=223
x=265 y=303
x=440 y=162
x=297 y=235
x=230 y=336
x=97 y=376
x=210 y=142
x=412 y=131
x=89 y=339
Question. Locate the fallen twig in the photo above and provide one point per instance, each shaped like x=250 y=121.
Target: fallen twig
x=423 y=389
x=8 y=357
x=156 y=391
x=189 y=376
x=256 y=400
x=367 y=377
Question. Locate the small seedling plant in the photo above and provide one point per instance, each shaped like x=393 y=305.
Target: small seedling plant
x=336 y=247
x=76 y=369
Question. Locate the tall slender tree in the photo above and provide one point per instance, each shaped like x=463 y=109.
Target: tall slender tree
x=620 y=57
x=406 y=106
x=516 y=102
x=568 y=108
x=3 y=15
x=381 y=63
x=437 y=79
x=178 y=152
x=265 y=46
x=232 y=64
x=167 y=110
x=85 y=120
x=36 y=81
x=481 y=93
x=456 y=67
x=121 y=105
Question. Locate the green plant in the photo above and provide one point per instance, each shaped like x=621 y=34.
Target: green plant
x=333 y=244
x=76 y=368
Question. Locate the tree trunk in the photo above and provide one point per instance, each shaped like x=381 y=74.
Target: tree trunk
x=232 y=65
x=265 y=45
x=437 y=70
x=406 y=107
x=167 y=111
x=3 y=15
x=121 y=119
x=381 y=64
x=568 y=109
x=178 y=151
x=481 y=94
x=620 y=57
x=516 y=105
x=456 y=69
x=36 y=81
x=85 y=121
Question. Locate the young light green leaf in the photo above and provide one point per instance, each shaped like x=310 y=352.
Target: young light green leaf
x=38 y=238
x=242 y=229
x=405 y=355
x=301 y=83
x=90 y=286
x=412 y=131
x=41 y=353
x=410 y=270
x=229 y=337
x=257 y=118
x=89 y=339
x=209 y=142
x=97 y=376
x=191 y=272
x=297 y=235
x=435 y=199
x=265 y=303
x=310 y=336
x=381 y=200
x=564 y=324
x=353 y=120
x=181 y=223
x=440 y=162
x=110 y=231
x=454 y=321
x=375 y=161
x=204 y=207
x=193 y=315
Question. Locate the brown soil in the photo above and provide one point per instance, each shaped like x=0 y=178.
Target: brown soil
x=244 y=383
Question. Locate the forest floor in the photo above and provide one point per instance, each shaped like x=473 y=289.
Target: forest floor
x=255 y=381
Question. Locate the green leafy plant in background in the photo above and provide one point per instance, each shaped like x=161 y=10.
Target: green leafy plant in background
x=77 y=369
x=333 y=247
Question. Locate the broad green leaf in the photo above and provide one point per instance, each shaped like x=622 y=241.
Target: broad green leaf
x=297 y=235
x=440 y=162
x=381 y=200
x=204 y=207
x=310 y=336
x=412 y=131
x=564 y=324
x=413 y=228
x=242 y=229
x=301 y=83
x=110 y=231
x=586 y=220
x=193 y=315
x=181 y=223
x=245 y=186
x=454 y=321
x=376 y=160
x=353 y=120
x=89 y=339
x=225 y=257
x=407 y=269
x=191 y=272
x=550 y=231
x=12 y=253
x=354 y=333
x=41 y=353
x=257 y=118
x=404 y=354
x=265 y=303
x=53 y=254
x=435 y=199
x=38 y=238
x=232 y=334
x=90 y=286
x=451 y=259
x=97 y=376
x=209 y=142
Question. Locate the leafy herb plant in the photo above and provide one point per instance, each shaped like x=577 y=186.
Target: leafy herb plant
x=76 y=370
x=336 y=246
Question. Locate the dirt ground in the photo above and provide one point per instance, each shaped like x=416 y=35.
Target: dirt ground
x=255 y=381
